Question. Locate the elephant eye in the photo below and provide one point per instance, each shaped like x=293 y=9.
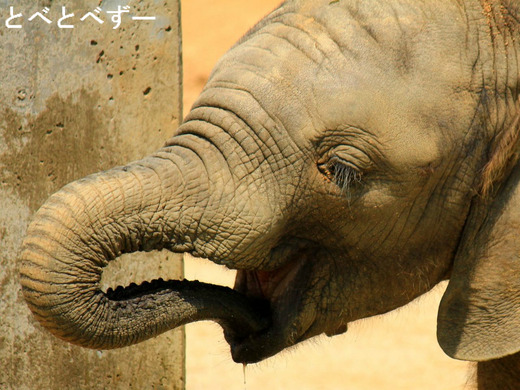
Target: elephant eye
x=341 y=173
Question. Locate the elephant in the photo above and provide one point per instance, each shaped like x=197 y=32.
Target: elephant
x=344 y=157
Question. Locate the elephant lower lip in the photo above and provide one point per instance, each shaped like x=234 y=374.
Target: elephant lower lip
x=244 y=354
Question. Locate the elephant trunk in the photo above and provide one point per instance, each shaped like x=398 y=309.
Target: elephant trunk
x=150 y=204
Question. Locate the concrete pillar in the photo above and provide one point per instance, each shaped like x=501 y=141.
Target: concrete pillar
x=75 y=101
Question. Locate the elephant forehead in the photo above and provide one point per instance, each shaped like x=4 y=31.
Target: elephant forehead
x=388 y=68
x=332 y=48
x=399 y=42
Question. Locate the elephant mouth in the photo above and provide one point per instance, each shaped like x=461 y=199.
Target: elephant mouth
x=284 y=289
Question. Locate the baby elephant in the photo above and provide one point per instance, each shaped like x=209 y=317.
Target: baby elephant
x=345 y=157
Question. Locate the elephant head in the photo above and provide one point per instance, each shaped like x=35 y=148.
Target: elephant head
x=344 y=157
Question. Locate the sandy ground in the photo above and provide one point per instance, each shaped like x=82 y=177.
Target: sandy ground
x=396 y=351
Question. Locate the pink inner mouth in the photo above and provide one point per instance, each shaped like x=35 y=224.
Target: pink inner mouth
x=269 y=285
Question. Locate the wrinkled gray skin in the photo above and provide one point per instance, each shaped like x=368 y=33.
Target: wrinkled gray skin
x=336 y=159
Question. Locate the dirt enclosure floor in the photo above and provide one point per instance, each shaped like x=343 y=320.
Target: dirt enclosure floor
x=398 y=351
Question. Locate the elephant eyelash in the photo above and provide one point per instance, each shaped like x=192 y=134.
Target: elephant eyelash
x=342 y=174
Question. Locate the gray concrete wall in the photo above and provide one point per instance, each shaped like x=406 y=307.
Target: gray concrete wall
x=73 y=102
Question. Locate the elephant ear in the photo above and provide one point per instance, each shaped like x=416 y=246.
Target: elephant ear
x=479 y=315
